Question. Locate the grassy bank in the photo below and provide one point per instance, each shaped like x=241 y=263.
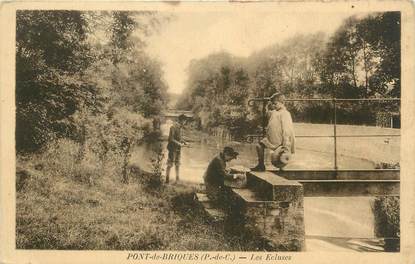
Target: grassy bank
x=62 y=205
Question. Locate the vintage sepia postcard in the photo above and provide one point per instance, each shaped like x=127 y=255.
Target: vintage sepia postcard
x=207 y=132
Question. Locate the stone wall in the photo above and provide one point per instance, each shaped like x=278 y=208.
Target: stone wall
x=271 y=208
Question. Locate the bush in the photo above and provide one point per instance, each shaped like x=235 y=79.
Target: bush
x=387 y=221
x=384 y=165
x=108 y=139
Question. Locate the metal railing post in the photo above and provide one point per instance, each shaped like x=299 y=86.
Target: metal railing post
x=335 y=133
x=264 y=117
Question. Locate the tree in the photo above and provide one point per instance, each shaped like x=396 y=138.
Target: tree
x=70 y=71
x=217 y=92
x=382 y=32
x=361 y=59
x=51 y=54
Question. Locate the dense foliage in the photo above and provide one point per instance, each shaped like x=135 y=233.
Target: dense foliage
x=219 y=89
x=360 y=60
x=85 y=76
x=51 y=55
x=387 y=221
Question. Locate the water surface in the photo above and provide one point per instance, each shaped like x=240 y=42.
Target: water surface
x=328 y=217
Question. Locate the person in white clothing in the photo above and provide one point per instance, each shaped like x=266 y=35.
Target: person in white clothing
x=279 y=131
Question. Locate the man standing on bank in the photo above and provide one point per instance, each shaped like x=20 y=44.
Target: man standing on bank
x=175 y=143
x=216 y=174
x=279 y=132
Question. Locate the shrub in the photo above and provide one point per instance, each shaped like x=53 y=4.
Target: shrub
x=384 y=165
x=108 y=139
x=387 y=221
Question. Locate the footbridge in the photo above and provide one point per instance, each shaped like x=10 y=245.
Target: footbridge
x=173 y=114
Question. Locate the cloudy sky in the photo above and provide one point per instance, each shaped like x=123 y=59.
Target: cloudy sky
x=193 y=35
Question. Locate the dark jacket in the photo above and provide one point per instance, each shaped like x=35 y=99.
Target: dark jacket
x=175 y=138
x=216 y=173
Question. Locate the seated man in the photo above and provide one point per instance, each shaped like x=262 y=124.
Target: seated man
x=215 y=176
x=279 y=132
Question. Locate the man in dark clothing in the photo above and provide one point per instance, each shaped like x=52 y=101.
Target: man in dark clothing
x=216 y=174
x=174 y=146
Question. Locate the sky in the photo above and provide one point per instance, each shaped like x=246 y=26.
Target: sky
x=194 y=35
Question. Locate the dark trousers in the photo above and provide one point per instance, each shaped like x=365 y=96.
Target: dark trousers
x=219 y=195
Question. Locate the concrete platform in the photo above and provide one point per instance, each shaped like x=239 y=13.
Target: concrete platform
x=269 y=186
x=327 y=183
x=378 y=174
x=345 y=188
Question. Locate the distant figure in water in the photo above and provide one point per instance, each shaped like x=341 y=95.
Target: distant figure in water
x=279 y=135
x=216 y=174
x=175 y=143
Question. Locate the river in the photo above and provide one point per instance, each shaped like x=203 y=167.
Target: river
x=330 y=222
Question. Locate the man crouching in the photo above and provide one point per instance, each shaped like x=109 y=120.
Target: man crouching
x=216 y=174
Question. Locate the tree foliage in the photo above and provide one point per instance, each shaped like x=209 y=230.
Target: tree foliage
x=217 y=91
x=77 y=71
x=360 y=60
x=51 y=54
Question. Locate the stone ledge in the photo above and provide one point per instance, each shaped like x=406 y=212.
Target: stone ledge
x=270 y=187
x=378 y=174
x=344 y=188
x=215 y=214
x=270 y=177
x=249 y=196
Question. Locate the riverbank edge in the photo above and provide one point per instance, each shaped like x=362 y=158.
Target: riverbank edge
x=64 y=205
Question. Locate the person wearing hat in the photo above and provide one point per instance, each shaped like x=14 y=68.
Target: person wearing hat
x=279 y=135
x=216 y=174
x=175 y=143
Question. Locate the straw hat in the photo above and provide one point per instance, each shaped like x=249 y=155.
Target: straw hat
x=280 y=157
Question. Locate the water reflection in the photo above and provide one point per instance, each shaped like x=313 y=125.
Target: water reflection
x=196 y=158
